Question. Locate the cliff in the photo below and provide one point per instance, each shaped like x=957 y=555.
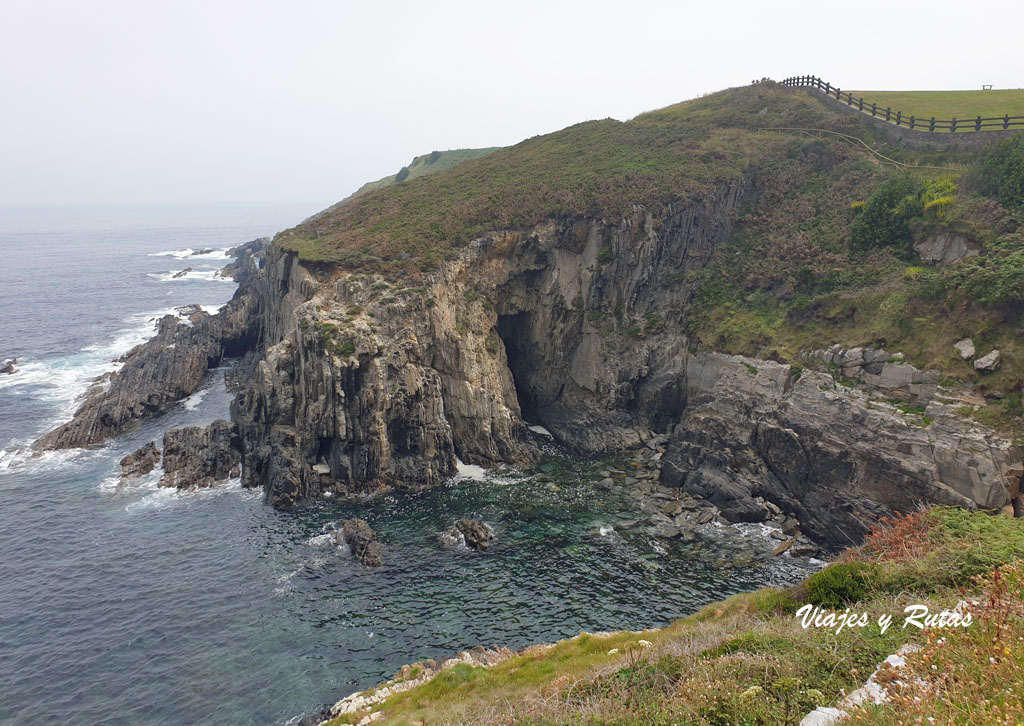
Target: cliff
x=594 y=281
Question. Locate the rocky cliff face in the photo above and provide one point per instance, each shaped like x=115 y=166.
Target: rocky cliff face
x=372 y=383
x=355 y=382
x=577 y=324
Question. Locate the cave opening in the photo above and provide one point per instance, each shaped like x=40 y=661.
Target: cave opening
x=519 y=350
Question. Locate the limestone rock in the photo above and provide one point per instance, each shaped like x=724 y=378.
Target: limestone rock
x=988 y=362
x=965 y=348
x=198 y=457
x=141 y=462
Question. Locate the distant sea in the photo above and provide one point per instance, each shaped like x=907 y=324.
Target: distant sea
x=134 y=605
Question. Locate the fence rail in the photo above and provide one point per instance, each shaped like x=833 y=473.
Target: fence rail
x=953 y=125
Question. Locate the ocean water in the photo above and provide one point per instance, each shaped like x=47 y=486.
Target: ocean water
x=136 y=605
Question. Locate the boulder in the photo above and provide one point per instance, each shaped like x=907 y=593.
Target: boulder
x=475 y=534
x=197 y=457
x=141 y=462
x=362 y=541
x=204 y=251
x=988 y=362
x=965 y=348
x=8 y=366
x=944 y=248
x=181 y=273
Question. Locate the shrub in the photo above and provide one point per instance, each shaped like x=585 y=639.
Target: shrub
x=402 y=174
x=1002 y=172
x=885 y=220
x=606 y=255
x=839 y=585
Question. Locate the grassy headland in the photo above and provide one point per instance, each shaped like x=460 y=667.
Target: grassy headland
x=748 y=660
x=945 y=105
x=823 y=252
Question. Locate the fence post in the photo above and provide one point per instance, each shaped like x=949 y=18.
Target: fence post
x=838 y=93
x=1006 y=121
x=873 y=109
x=932 y=126
x=828 y=89
x=977 y=124
x=888 y=112
x=912 y=119
x=899 y=118
x=849 y=98
x=952 y=126
x=861 y=104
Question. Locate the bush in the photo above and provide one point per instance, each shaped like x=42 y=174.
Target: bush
x=839 y=585
x=402 y=174
x=1002 y=172
x=885 y=219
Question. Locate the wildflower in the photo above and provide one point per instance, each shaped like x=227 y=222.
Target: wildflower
x=644 y=643
x=613 y=651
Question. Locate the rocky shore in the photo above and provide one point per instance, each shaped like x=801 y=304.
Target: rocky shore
x=354 y=383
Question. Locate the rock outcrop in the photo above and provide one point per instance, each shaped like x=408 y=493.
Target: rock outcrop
x=832 y=456
x=472 y=533
x=198 y=457
x=141 y=462
x=362 y=541
x=8 y=366
x=165 y=369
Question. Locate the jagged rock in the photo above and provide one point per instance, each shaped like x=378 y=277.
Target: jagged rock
x=965 y=348
x=9 y=366
x=782 y=547
x=362 y=540
x=156 y=374
x=204 y=251
x=197 y=457
x=473 y=533
x=825 y=456
x=181 y=273
x=141 y=462
x=988 y=362
x=249 y=259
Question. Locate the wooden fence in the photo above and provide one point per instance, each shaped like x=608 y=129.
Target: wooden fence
x=896 y=117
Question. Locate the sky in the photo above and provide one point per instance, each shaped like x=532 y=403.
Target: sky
x=111 y=102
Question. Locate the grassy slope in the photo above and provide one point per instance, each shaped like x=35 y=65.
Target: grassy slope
x=746 y=660
x=945 y=105
x=420 y=166
x=597 y=168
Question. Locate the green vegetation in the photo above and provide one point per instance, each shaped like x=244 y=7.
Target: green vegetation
x=423 y=165
x=747 y=660
x=949 y=104
x=593 y=168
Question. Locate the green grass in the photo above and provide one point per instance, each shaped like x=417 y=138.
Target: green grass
x=596 y=168
x=945 y=105
x=420 y=166
x=747 y=660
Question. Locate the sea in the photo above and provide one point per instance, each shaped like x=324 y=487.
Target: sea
x=135 y=605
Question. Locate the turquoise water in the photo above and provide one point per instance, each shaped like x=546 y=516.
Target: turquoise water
x=134 y=605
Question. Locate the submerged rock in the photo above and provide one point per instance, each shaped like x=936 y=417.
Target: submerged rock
x=181 y=273
x=141 y=462
x=197 y=457
x=362 y=540
x=8 y=366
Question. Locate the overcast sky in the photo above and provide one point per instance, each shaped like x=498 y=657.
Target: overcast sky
x=140 y=102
